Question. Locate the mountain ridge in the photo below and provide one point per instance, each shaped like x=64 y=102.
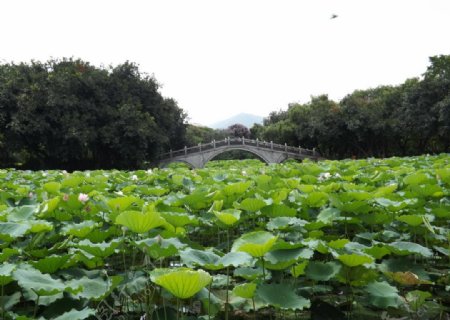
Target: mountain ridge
x=246 y=119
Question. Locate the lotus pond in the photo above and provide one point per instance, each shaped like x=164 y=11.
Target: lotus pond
x=345 y=239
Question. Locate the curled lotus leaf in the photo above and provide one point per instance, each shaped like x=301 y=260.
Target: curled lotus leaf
x=256 y=243
x=140 y=222
x=183 y=283
x=228 y=216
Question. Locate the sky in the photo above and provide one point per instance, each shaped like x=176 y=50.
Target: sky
x=218 y=58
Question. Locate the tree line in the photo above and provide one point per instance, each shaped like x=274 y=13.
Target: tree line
x=69 y=114
x=409 y=119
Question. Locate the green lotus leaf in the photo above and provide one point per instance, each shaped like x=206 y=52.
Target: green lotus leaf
x=316 y=199
x=77 y=314
x=322 y=271
x=212 y=261
x=140 y=222
x=283 y=223
x=383 y=295
x=417 y=298
x=6 y=270
x=79 y=230
x=384 y=191
x=122 y=203
x=10 y=230
x=378 y=251
x=100 y=250
x=413 y=220
x=338 y=243
x=22 y=213
x=41 y=284
x=306 y=188
x=252 y=273
x=278 y=210
x=405 y=248
x=8 y=302
x=281 y=296
x=179 y=219
x=245 y=290
x=279 y=195
x=72 y=181
x=228 y=216
x=51 y=264
x=444 y=175
x=256 y=243
x=283 y=258
x=198 y=200
x=299 y=269
x=416 y=179
x=6 y=253
x=92 y=289
x=252 y=204
x=52 y=187
x=236 y=259
x=134 y=282
x=37 y=226
x=328 y=215
x=159 y=247
x=183 y=283
x=393 y=205
x=353 y=260
x=237 y=188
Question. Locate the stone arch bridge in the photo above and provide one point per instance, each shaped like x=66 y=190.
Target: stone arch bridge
x=269 y=152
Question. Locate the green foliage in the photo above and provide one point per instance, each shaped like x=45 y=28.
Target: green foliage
x=408 y=119
x=371 y=234
x=69 y=114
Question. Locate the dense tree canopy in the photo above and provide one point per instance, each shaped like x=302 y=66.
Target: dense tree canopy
x=70 y=114
x=410 y=119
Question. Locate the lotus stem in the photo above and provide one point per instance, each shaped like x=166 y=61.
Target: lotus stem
x=254 y=309
x=209 y=300
x=36 y=306
x=226 y=302
x=264 y=269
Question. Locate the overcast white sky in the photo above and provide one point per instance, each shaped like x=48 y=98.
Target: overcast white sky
x=220 y=58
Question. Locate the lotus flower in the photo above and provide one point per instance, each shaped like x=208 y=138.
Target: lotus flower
x=82 y=197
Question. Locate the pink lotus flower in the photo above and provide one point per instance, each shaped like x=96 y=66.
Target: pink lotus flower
x=82 y=197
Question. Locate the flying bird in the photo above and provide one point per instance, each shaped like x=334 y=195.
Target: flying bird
x=334 y=16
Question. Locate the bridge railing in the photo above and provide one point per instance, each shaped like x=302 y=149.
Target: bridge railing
x=239 y=141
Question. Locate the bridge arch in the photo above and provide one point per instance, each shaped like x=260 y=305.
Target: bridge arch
x=220 y=151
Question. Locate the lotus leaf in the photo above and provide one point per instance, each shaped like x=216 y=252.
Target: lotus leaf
x=212 y=261
x=279 y=210
x=140 y=222
x=353 y=260
x=245 y=290
x=281 y=296
x=183 y=283
x=160 y=247
x=256 y=243
x=77 y=314
x=228 y=216
x=252 y=204
x=383 y=295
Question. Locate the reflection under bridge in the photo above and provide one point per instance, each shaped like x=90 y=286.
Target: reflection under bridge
x=269 y=152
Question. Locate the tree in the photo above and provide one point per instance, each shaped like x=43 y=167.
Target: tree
x=238 y=130
x=69 y=114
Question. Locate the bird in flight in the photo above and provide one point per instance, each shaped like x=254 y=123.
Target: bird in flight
x=334 y=16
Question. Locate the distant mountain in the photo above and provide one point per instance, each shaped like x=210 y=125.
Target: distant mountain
x=245 y=119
